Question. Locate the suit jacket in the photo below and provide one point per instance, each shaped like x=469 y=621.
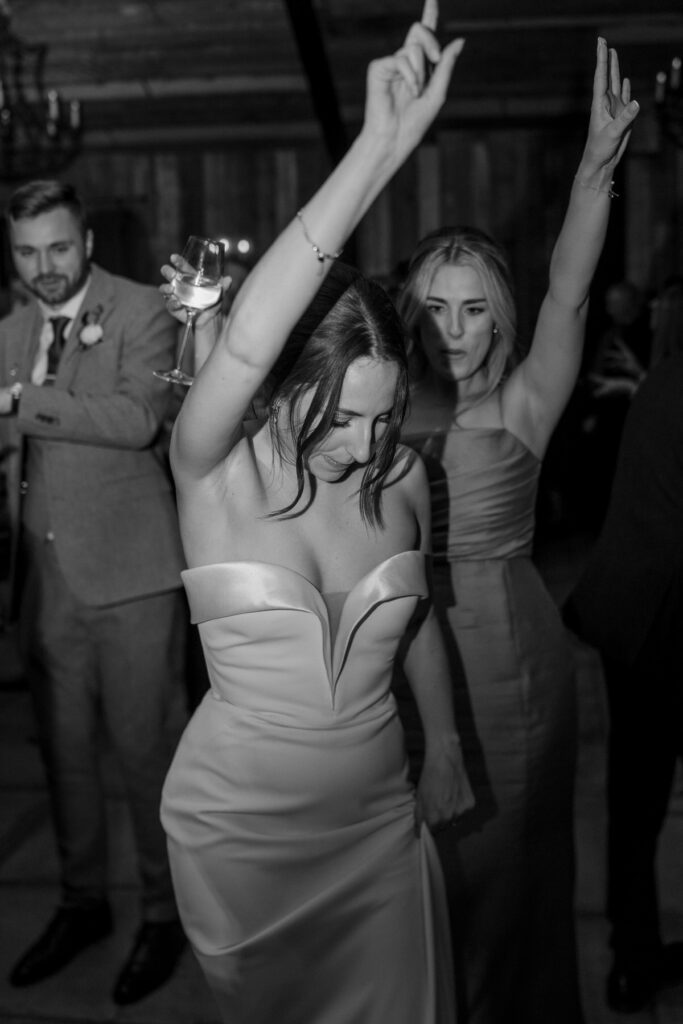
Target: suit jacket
x=632 y=586
x=108 y=493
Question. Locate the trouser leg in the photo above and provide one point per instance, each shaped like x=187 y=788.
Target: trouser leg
x=141 y=650
x=641 y=763
x=61 y=671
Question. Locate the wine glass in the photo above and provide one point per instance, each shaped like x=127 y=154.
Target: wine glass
x=196 y=285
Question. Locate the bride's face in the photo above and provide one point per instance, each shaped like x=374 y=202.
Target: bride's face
x=364 y=411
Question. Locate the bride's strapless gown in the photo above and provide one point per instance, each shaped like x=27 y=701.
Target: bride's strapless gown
x=509 y=863
x=302 y=887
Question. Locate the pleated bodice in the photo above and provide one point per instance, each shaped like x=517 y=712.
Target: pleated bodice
x=483 y=484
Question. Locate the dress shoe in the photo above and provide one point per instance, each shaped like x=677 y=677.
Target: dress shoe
x=629 y=990
x=152 y=961
x=69 y=931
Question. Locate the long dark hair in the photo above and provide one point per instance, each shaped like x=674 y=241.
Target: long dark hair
x=349 y=318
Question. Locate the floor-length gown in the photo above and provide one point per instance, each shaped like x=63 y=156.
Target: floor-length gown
x=306 y=895
x=509 y=863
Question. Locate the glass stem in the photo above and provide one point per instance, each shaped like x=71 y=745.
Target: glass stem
x=189 y=329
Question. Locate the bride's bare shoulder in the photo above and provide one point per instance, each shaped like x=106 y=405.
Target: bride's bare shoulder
x=407 y=467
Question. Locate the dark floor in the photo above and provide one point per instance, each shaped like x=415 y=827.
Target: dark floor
x=80 y=993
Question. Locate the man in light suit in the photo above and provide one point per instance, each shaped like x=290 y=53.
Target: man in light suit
x=101 y=614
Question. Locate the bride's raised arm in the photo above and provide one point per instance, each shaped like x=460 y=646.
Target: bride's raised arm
x=404 y=93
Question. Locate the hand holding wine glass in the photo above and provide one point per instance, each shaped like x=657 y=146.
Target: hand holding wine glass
x=196 y=285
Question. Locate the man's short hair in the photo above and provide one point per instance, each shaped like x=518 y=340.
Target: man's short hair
x=38 y=197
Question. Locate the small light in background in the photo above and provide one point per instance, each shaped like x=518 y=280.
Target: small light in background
x=237 y=248
x=669 y=101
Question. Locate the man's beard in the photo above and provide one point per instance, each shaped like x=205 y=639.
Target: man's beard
x=56 y=289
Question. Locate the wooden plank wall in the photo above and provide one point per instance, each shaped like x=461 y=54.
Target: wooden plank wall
x=510 y=181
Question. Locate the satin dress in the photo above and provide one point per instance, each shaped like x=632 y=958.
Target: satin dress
x=304 y=891
x=509 y=863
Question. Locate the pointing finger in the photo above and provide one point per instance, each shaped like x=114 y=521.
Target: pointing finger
x=430 y=14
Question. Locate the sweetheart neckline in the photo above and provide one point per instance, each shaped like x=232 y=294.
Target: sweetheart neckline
x=285 y=568
x=372 y=585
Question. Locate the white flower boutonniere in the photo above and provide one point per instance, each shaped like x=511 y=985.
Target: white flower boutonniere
x=91 y=330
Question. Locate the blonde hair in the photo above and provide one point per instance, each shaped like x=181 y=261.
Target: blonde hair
x=465 y=246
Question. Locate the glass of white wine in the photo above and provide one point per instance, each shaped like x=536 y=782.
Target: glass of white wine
x=196 y=285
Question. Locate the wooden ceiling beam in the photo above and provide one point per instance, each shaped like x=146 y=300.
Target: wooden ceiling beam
x=313 y=55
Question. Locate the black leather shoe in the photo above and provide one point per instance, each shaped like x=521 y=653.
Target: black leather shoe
x=69 y=931
x=629 y=991
x=152 y=961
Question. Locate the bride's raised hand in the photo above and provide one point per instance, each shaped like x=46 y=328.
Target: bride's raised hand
x=612 y=111
x=406 y=90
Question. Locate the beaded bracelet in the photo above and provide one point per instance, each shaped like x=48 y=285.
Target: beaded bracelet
x=607 y=191
x=320 y=254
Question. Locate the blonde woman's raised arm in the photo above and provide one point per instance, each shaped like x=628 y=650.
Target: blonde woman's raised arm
x=539 y=389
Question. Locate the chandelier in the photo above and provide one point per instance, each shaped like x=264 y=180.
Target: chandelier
x=669 y=101
x=39 y=133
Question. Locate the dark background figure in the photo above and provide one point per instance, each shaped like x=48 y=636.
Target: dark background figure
x=579 y=466
x=628 y=603
x=622 y=351
x=626 y=312
x=101 y=613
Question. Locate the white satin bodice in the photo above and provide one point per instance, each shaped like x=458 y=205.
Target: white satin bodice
x=266 y=636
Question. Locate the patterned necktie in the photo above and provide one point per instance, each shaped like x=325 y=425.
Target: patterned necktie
x=54 y=352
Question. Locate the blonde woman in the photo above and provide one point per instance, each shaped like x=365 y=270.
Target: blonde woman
x=483 y=417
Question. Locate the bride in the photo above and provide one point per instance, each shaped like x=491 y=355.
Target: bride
x=304 y=868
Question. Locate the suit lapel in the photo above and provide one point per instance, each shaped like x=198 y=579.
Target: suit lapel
x=99 y=293
x=27 y=344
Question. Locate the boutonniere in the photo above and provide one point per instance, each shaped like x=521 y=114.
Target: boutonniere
x=91 y=329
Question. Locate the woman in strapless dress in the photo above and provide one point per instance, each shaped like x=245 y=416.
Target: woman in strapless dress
x=304 y=867
x=482 y=418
